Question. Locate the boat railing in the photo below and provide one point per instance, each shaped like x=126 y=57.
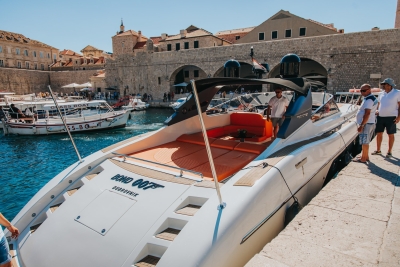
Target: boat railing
x=181 y=170
x=327 y=109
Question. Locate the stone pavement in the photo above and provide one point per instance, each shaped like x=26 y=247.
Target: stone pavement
x=353 y=221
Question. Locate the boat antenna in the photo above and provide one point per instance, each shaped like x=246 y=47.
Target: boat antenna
x=210 y=158
x=65 y=124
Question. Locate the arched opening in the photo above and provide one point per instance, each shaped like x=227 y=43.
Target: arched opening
x=309 y=68
x=183 y=75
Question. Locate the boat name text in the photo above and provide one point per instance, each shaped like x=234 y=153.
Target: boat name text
x=302 y=115
x=123 y=190
x=140 y=183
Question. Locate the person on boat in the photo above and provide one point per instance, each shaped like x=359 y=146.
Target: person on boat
x=388 y=115
x=366 y=121
x=15 y=112
x=277 y=106
x=5 y=257
x=31 y=113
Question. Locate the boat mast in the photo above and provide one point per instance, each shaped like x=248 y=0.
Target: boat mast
x=210 y=158
x=65 y=124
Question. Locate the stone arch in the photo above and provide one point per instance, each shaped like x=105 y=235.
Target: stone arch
x=308 y=68
x=185 y=73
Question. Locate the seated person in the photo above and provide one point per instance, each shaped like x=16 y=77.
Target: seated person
x=16 y=113
x=31 y=113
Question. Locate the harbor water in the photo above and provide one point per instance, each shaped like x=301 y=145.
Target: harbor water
x=29 y=162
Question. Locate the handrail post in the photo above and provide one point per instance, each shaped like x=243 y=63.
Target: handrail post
x=210 y=158
x=65 y=125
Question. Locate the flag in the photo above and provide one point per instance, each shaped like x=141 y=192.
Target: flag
x=258 y=67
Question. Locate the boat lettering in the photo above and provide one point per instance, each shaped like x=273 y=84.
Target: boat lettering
x=302 y=115
x=122 y=190
x=78 y=127
x=140 y=183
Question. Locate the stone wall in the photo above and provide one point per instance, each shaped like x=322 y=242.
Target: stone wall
x=23 y=81
x=349 y=59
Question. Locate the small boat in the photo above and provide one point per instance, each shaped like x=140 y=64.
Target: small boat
x=177 y=102
x=135 y=104
x=87 y=116
x=204 y=190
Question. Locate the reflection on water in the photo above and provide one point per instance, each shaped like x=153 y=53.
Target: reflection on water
x=29 y=162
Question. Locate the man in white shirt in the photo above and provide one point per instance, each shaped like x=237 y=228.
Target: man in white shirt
x=277 y=106
x=366 y=121
x=388 y=115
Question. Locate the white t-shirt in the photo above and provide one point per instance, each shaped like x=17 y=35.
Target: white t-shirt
x=1 y=233
x=389 y=103
x=278 y=106
x=369 y=102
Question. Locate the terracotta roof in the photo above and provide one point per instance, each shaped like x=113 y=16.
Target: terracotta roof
x=192 y=34
x=139 y=45
x=230 y=35
x=19 y=38
x=156 y=40
x=68 y=52
x=90 y=48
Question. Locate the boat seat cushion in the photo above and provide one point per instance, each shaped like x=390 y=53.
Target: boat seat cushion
x=196 y=138
x=251 y=148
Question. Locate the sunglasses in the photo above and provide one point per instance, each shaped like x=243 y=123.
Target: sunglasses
x=278 y=92
x=364 y=90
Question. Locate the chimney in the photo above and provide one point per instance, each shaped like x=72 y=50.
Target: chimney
x=341 y=31
x=164 y=36
x=375 y=29
x=183 y=33
x=140 y=36
x=397 y=23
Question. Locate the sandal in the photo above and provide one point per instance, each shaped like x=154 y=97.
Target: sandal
x=358 y=160
x=376 y=152
x=389 y=154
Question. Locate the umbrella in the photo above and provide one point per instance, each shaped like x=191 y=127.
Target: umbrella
x=88 y=84
x=181 y=84
x=86 y=89
x=71 y=85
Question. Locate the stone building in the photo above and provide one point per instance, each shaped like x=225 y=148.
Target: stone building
x=92 y=59
x=234 y=35
x=397 y=22
x=18 y=51
x=98 y=81
x=284 y=25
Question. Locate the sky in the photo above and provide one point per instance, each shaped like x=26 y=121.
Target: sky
x=74 y=24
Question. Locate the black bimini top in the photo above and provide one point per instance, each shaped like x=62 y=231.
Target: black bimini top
x=207 y=88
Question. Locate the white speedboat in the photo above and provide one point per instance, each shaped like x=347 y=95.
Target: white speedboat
x=178 y=102
x=154 y=199
x=87 y=116
x=135 y=104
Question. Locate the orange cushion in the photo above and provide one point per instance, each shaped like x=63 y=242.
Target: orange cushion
x=196 y=138
x=216 y=132
x=247 y=118
x=251 y=148
x=226 y=144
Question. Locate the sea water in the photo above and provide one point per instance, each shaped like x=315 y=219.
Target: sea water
x=28 y=162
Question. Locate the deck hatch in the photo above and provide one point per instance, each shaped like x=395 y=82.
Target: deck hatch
x=169 y=234
x=148 y=261
x=101 y=214
x=189 y=210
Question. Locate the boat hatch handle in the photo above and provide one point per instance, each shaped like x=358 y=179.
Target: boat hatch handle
x=161 y=164
x=210 y=158
x=65 y=124
x=301 y=163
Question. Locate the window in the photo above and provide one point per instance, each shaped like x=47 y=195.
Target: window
x=41 y=54
x=34 y=53
x=288 y=33
x=302 y=32
x=42 y=66
x=177 y=46
x=237 y=37
x=27 y=65
x=169 y=47
x=9 y=50
x=18 y=65
x=76 y=62
x=26 y=52
x=17 y=51
x=1 y=49
x=186 y=45
x=48 y=55
x=196 y=73
x=260 y=36
x=1 y=63
x=186 y=72
x=35 y=66
x=54 y=56
x=274 y=35
x=159 y=80
x=196 y=44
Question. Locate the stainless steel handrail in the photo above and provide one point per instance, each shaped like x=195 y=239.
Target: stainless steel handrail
x=161 y=164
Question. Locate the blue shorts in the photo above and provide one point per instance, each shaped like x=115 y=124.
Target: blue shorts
x=5 y=256
x=367 y=133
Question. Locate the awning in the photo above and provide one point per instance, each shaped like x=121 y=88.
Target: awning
x=71 y=85
x=83 y=85
x=181 y=84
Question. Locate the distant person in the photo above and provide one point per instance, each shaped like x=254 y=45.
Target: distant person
x=5 y=257
x=277 y=106
x=16 y=113
x=388 y=115
x=366 y=121
x=31 y=113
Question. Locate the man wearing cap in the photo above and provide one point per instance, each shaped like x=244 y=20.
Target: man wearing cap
x=388 y=115
x=366 y=121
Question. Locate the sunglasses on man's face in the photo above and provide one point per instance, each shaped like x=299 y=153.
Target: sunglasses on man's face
x=364 y=90
x=278 y=92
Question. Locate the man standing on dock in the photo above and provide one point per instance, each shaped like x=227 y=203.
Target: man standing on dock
x=366 y=121
x=388 y=115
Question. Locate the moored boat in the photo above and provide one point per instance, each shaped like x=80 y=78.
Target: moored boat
x=205 y=190
x=135 y=104
x=87 y=116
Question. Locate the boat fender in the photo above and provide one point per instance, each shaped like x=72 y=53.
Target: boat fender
x=292 y=211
